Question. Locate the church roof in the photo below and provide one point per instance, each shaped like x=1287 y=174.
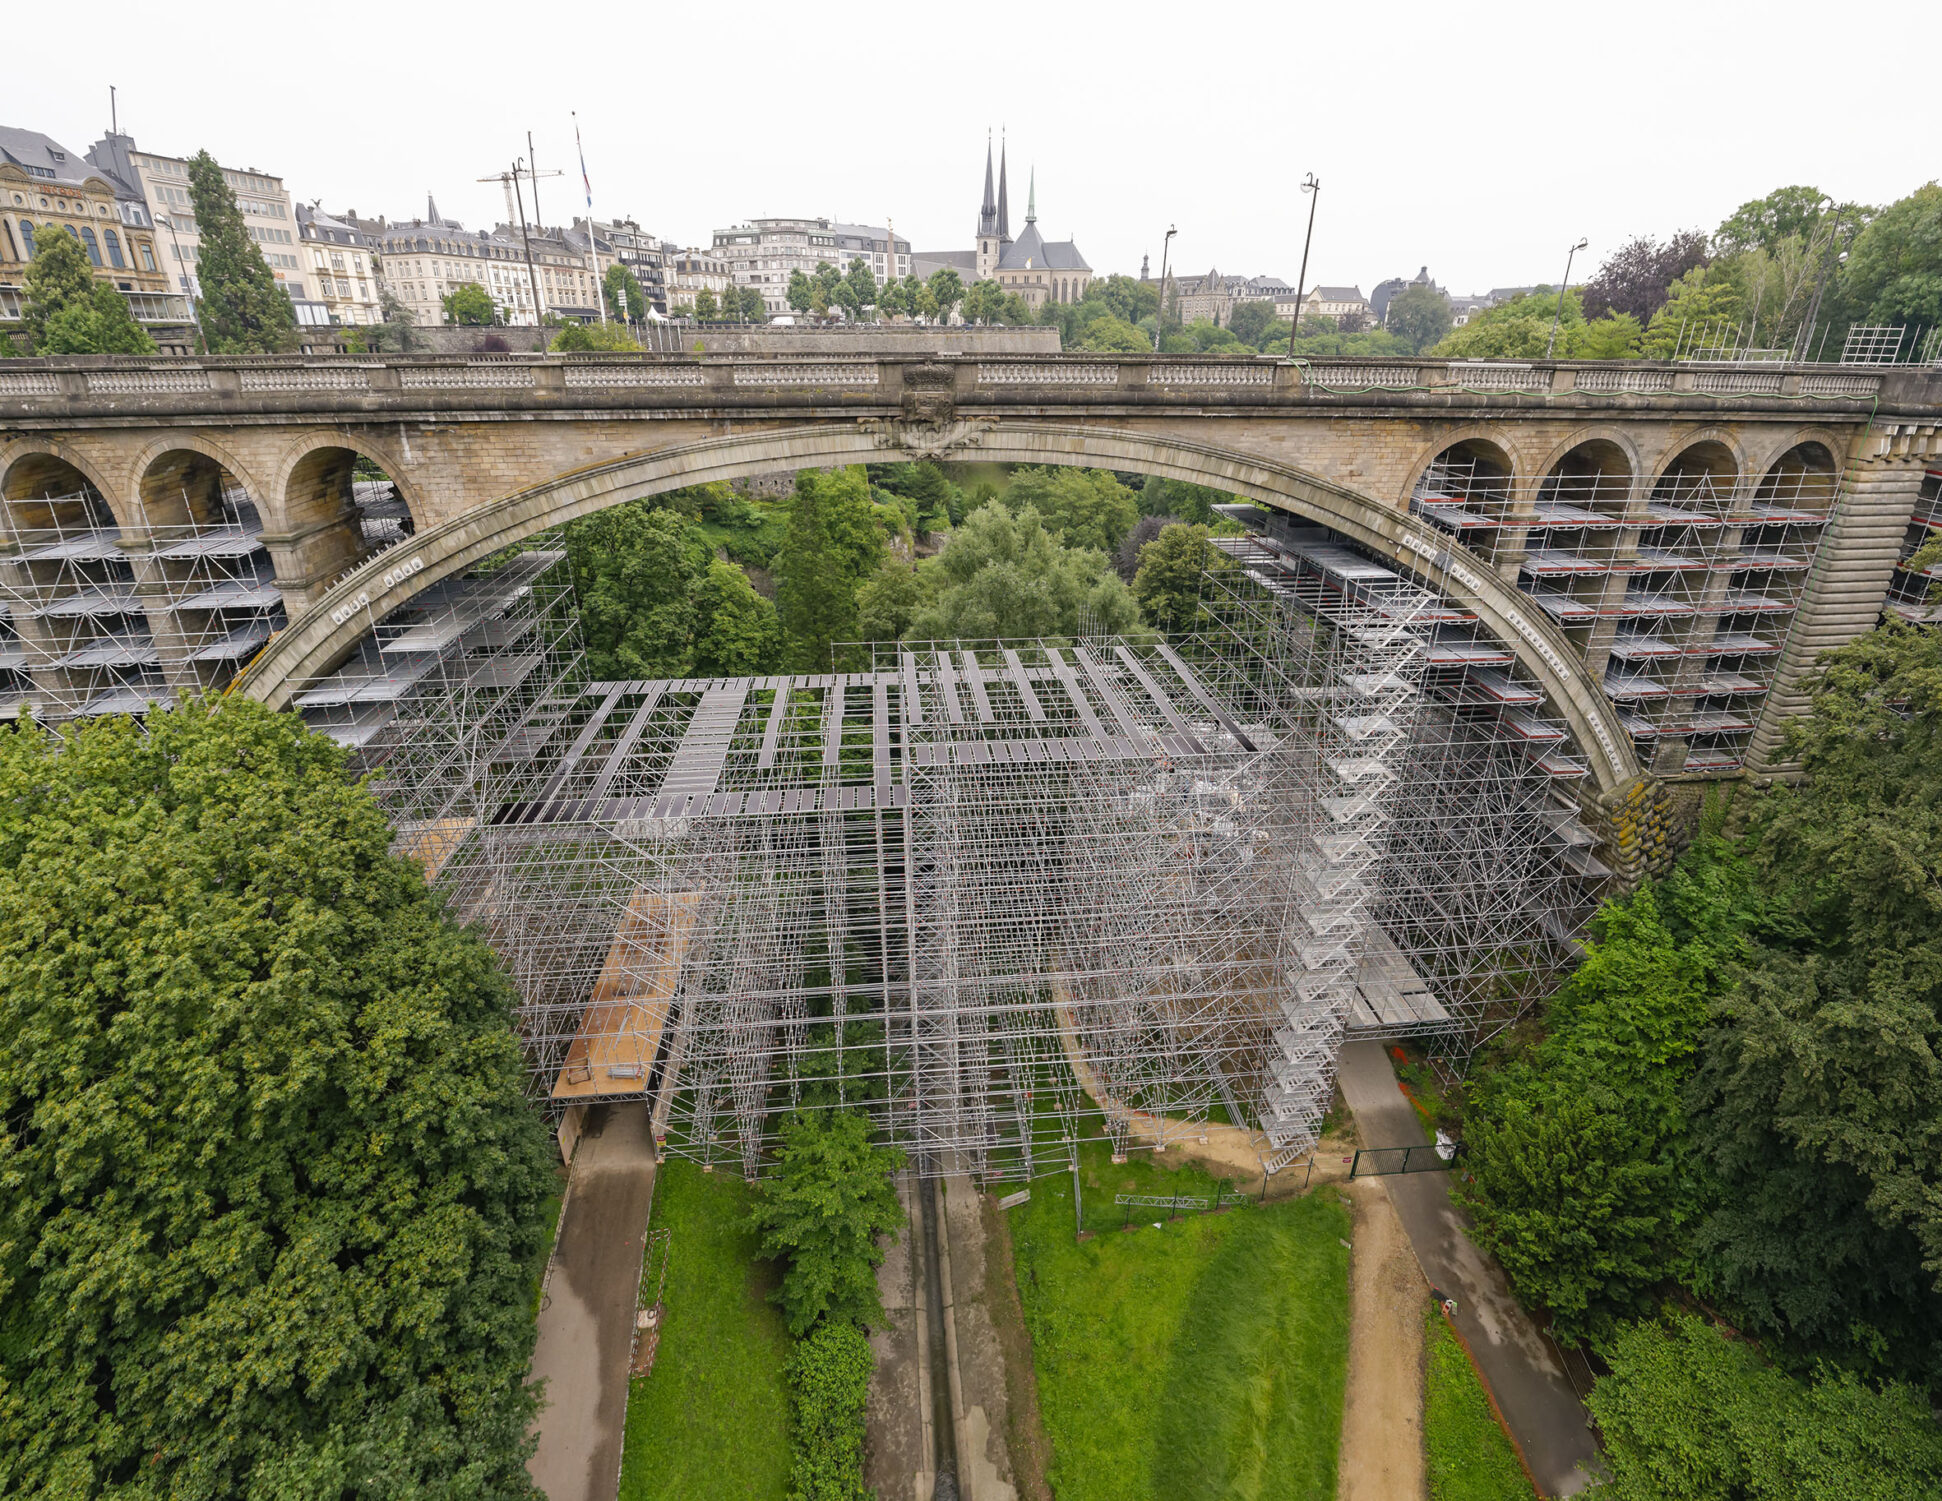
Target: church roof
x=1031 y=251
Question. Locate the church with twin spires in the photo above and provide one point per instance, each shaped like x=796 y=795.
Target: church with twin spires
x=1037 y=269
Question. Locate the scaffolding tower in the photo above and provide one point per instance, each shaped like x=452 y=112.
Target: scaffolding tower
x=986 y=892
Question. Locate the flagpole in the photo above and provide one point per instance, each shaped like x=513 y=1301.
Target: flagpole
x=593 y=250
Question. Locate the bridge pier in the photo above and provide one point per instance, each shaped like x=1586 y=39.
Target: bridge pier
x=1844 y=591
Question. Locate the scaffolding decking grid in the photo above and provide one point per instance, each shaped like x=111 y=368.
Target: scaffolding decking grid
x=984 y=891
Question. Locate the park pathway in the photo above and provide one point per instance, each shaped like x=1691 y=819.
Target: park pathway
x=1518 y=1363
x=586 y=1320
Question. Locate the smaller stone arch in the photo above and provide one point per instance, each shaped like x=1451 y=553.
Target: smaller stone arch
x=319 y=521
x=1806 y=475
x=40 y=467
x=1705 y=467
x=189 y=485
x=1600 y=453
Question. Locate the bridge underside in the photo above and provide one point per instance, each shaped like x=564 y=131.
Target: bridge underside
x=990 y=892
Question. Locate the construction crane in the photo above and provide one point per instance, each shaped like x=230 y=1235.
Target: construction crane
x=509 y=180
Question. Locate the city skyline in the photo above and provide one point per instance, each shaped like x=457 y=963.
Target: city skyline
x=1682 y=153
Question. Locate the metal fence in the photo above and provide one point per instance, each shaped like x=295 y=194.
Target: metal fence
x=1375 y=1162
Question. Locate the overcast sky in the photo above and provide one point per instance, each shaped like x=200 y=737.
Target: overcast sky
x=1480 y=140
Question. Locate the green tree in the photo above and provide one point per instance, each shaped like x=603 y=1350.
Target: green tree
x=636 y=571
x=1576 y=1181
x=834 y=541
x=272 y=1191
x=1702 y=305
x=470 y=304
x=1817 y=1108
x=590 y=337
x=1616 y=336
x=1112 y=335
x=947 y=287
x=1419 y=315
x=1251 y=322
x=1004 y=576
x=244 y=311
x=888 y=600
x=1519 y=328
x=706 y=309
x=823 y=1213
x=802 y=291
x=1688 y=1414
x=860 y=284
x=1125 y=298
x=983 y=302
x=625 y=297
x=1763 y=223
x=1178 y=498
x=736 y=633
x=1081 y=507
x=1168 y=583
x=69 y=311
x=1894 y=273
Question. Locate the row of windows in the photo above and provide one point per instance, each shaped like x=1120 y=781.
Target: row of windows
x=89 y=243
x=269 y=236
x=59 y=205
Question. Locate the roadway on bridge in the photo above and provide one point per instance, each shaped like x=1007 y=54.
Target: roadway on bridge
x=1516 y=1359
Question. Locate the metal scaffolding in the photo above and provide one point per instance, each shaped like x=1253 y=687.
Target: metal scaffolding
x=988 y=892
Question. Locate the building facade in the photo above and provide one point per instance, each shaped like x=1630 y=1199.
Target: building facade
x=645 y=255
x=764 y=253
x=423 y=261
x=163 y=183
x=341 y=270
x=1339 y=305
x=690 y=272
x=43 y=184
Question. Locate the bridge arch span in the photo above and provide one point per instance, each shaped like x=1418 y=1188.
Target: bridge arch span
x=312 y=517
x=326 y=632
x=1596 y=448
x=31 y=467
x=1711 y=451
x=178 y=481
x=1478 y=439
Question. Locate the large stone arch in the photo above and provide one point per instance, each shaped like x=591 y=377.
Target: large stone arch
x=311 y=528
x=1493 y=433
x=327 y=631
x=315 y=440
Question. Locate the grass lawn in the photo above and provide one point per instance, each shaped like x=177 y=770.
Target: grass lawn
x=712 y=1420
x=1469 y=1457
x=1205 y=1358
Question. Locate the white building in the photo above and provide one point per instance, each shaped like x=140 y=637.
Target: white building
x=423 y=261
x=164 y=183
x=691 y=271
x=341 y=268
x=764 y=252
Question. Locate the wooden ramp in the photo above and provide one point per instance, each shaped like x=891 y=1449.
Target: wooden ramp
x=620 y=1031
x=433 y=842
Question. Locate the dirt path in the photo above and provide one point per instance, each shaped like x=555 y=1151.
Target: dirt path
x=1382 y=1415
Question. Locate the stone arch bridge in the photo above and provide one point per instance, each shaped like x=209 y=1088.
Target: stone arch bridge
x=1464 y=475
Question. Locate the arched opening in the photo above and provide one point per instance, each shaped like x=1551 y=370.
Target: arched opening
x=339 y=508
x=1466 y=491
x=210 y=580
x=1578 y=543
x=79 y=641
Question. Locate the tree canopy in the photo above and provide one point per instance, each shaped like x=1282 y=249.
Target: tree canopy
x=68 y=310
x=244 y=311
x=1637 y=278
x=470 y=304
x=1419 y=315
x=625 y=297
x=833 y=543
x=1171 y=570
x=1004 y=575
x=273 y=1194
x=1082 y=507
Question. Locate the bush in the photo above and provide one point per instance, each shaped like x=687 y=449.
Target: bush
x=829 y=1380
x=1690 y=1415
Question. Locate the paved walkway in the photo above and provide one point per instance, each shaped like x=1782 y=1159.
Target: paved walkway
x=1519 y=1363
x=586 y=1323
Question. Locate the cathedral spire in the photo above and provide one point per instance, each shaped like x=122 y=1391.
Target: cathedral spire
x=988 y=213
x=1031 y=198
x=1004 y=209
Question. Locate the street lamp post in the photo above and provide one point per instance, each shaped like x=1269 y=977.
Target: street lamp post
x=195 y=302
x=1160 y=312
x=1552 y=342
x=1309 y=184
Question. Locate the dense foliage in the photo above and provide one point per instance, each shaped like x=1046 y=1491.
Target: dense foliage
x=1007 y=575
x=1691 y=1415
x=1741 y=1090
x=272 y=1193
x=1172 y=568
x=822 y=1213
x=834 y=542
x=470 y=304
x=68 y=309
x=654 y=602
x=829 y=1387
x=243 y=310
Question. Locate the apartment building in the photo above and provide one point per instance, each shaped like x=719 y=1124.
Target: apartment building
x=763 y=253
x=340 y=269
